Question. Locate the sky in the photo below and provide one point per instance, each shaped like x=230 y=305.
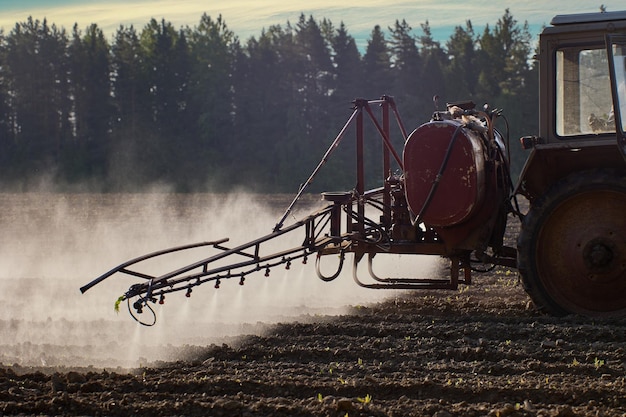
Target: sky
x=247 y=18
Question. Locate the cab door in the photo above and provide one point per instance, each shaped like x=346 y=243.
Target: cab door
x=616 y=51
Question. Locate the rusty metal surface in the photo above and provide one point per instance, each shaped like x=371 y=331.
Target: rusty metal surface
x=581 y=251
x=549 y=163
x=462 y=187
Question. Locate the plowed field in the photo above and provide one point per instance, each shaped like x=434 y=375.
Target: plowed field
x=481 y=350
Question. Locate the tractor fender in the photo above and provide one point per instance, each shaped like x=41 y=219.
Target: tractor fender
x=549 y=163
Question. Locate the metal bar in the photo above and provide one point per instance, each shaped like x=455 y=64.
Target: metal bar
x=213 y=275
x=231 y=270
x=385 y=137
x=245 y=245
x=468 y=272
x=386 y=171
x=398 y=118
x=172 y=281
x=166 y=280
x=454 y=272
x=176 y=277
x=331 y=148
x=360 y=169
x=224 y=248
x=420 y=248
x=370 y=268
x=401 y=284
x=145 y=257
x=136 y=274
x=317 y=229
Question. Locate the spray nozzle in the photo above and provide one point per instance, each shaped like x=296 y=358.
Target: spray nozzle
x=188 y=293
x=162 y=299
x=138 y=305
x=242 y=279
x=267 y=272
x=217 y=284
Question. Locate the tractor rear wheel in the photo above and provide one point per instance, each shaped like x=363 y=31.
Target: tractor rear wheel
x=572 y=247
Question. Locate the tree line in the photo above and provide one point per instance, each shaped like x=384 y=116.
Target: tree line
x=195 y=108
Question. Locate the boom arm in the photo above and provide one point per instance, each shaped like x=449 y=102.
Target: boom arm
x=237 y=262
x=343 y=226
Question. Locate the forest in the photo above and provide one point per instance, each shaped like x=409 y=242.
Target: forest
x=197 y=109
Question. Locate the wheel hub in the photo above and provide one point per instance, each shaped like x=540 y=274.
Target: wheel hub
x=599 y=254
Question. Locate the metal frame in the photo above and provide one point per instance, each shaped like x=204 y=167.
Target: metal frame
x=324 y=232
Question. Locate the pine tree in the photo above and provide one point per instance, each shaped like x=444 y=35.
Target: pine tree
x=347 y=66
x=376 y=65
x=92 y=110
x=407 y=65
x=211 y=91
x=432 y=77
x=37 y=63
x=461 y=71
x=7 y=148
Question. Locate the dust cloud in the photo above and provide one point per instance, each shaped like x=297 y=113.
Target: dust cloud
x=51 y=244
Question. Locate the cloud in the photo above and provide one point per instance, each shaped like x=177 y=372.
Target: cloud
x=248 y=17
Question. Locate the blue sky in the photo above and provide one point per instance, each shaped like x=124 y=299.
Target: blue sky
x=248 y=17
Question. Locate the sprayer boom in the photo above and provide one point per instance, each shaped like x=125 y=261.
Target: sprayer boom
x=237 y=262
x=398 y=218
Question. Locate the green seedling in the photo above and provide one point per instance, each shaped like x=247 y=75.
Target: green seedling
x=116 y=307
x=365 y=400
x=598 y=363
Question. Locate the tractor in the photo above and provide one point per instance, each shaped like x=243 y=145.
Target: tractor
x=450 y=193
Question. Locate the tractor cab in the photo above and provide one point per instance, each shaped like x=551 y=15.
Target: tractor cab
x=581 y=68
x=571 y=252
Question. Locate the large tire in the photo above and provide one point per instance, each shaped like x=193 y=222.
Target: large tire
x=572 y=246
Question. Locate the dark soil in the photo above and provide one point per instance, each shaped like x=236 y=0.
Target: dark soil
x=479 y=351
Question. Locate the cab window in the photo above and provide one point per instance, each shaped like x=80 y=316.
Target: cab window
x=583 y=92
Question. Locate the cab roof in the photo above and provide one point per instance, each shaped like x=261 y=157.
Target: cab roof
x=568 y=19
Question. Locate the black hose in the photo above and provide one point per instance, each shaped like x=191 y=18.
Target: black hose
x=130 y=311
x=437 y=179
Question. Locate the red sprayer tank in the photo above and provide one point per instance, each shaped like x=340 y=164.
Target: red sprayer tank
x=451 y=179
